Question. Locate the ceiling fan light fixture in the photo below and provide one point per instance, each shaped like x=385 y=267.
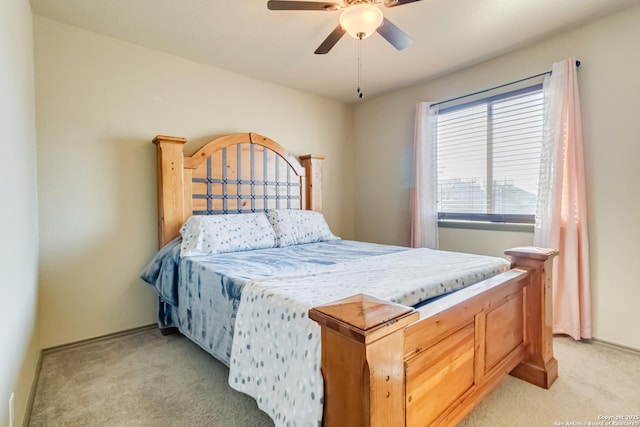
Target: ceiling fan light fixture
x=361 y=20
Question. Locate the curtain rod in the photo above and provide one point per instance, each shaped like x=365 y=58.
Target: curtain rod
x=494 y=88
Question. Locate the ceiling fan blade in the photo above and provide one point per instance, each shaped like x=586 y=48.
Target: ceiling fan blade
x=301 y=5
x=392 y=3
x=394 y=35
x=330 y=41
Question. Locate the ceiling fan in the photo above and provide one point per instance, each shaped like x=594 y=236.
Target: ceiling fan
x=359 y=18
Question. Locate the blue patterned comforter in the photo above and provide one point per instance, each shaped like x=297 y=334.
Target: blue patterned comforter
x=200 y=295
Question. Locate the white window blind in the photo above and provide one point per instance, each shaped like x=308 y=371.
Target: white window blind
x=488 y=157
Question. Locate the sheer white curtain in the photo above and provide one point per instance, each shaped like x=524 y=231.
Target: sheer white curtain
x=424 y=212
x=561 y=217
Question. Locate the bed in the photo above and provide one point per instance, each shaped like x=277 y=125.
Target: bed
x=335 y=332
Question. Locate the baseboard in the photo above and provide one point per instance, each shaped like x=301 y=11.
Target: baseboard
x=32 y=391
x=615 y=346
x=82 y=343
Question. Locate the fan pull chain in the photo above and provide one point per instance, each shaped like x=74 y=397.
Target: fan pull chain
x=359 y=90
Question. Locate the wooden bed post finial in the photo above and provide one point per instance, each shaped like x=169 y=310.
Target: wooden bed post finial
x=170 y=161
x=362 y=360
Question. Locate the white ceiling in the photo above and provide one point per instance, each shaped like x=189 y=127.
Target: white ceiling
x=277 y=46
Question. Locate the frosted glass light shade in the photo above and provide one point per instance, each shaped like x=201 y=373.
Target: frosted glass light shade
x=361 y=19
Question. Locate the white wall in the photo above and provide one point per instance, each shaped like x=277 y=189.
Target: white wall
x=18 y=210
x=609 y=88
x=99 y=102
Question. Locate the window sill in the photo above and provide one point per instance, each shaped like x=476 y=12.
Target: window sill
x=493 y=226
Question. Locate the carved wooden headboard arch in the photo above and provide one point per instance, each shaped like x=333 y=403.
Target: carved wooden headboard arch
x=236 y=173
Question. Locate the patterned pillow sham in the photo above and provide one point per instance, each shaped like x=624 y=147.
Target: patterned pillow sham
x=216 y=234
x=295 y=227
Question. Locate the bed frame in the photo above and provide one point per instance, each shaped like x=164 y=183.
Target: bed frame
x=383 y=364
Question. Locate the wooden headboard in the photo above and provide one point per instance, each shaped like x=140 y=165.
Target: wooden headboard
x=236 y=173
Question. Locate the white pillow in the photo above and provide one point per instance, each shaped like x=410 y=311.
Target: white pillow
x=295 y=227
x=216 y=234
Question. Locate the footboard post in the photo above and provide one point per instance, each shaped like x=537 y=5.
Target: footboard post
x=362 y=361
x=540 y=367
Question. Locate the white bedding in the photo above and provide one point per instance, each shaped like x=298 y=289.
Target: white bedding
x=276 y=348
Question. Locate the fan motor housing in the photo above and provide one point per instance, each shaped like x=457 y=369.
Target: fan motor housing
x=352 y=2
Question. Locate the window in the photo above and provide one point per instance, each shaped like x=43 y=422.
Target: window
x=488 y=158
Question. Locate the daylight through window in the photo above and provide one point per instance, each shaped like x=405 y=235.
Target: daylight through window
x=488 y=157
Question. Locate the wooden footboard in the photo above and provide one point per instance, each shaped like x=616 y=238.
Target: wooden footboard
x=386 y=364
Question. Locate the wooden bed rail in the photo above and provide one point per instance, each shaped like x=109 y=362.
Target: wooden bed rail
x=387 y=364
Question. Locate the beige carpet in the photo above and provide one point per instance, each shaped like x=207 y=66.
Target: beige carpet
x=145 y=379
